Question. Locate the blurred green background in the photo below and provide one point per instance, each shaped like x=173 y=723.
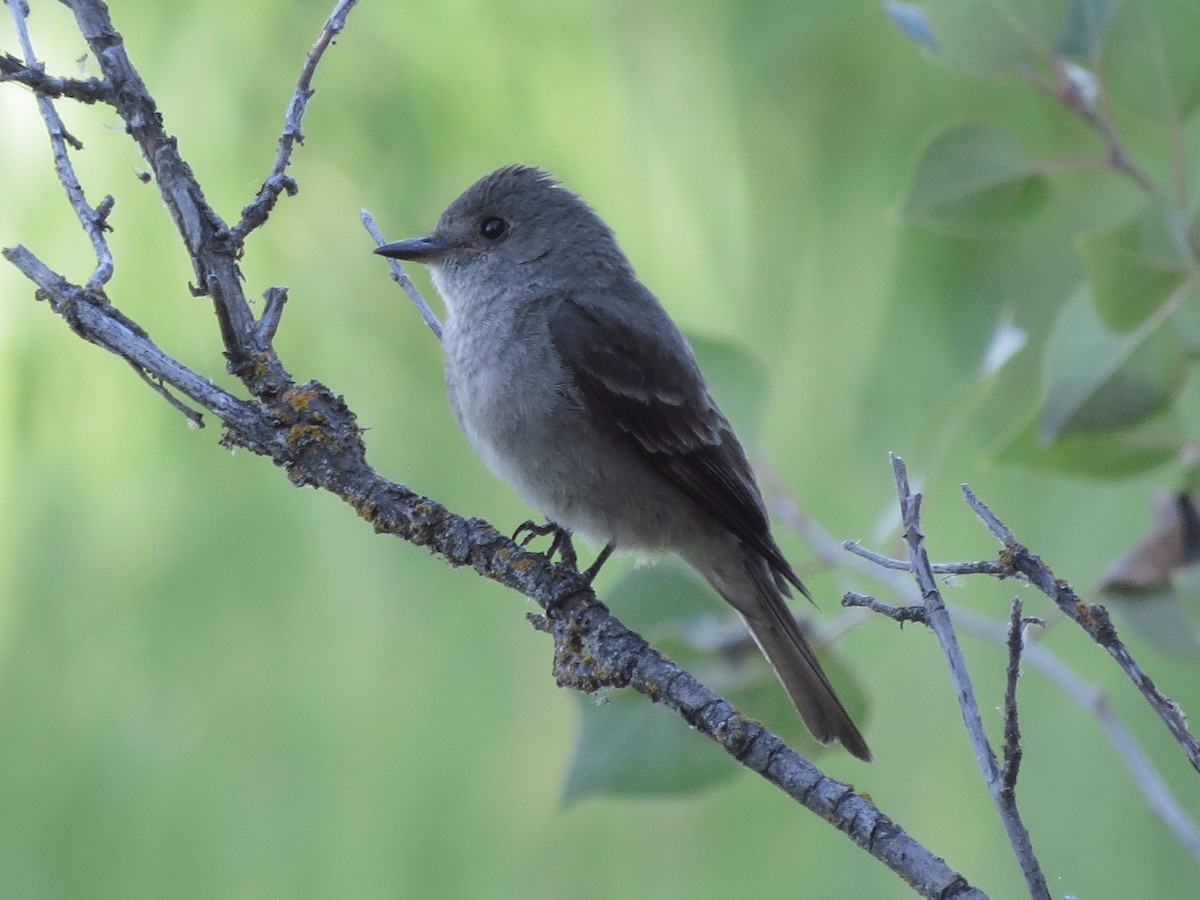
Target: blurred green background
x=213 y=684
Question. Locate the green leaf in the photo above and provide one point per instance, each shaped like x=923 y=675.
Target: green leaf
x=972 y=176
x=1098 y=380
x=1151 y=62
x=1133 y=266
x=1158 y=617
x=662 y=599
x=630 y=746
x=1116 y=454
x=996 y=35
x=739 y=382
x=1087 y=25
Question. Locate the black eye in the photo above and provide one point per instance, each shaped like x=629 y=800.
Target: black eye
x=493 y=228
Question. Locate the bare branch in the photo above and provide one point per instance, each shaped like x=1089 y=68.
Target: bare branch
x=85 y=90
x=278 y=182
x=977 y=567
x=92 y=219
x=274 y=299
x=401 y=277
x=1092 y=618
x=96 y=320
x=210 y=245
x=1094 y=701
x=1012 y=725
x=1154 y=787
x=159 y=388
x=899 y=614
x=938 y=620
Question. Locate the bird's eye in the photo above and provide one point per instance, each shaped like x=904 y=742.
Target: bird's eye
x=493 y=228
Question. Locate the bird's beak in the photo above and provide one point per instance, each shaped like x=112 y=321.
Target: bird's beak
x=427 y=249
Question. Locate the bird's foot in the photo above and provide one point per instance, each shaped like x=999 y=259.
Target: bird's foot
x=560 y=545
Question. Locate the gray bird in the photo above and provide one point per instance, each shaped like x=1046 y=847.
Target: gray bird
x=574 y=385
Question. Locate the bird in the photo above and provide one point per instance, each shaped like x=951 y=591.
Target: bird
x=574 y=385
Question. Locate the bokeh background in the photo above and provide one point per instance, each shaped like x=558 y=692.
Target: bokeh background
x=213 y=684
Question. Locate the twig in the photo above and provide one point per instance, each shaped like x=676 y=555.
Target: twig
x=899 y=614
x=938 y=620
x=101 y=323
x=401 y=277
x=1068 y=91
x=278 y=181
x=85 y=90
x=1012 y=725
x=1159 y=797
x=976 y=567
x=1092 y=618
x=93 y=220
x=159 y=388
x=274 y=299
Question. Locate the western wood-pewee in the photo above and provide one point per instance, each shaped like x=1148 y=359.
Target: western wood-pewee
x=576 y=388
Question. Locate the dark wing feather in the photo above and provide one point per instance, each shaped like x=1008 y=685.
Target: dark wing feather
x=642 y=382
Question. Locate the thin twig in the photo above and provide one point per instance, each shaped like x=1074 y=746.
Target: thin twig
x=401 y=277
x=102 y=324
x=85 y=90
x=1067 y=90
x=938 y=620
x=899 y=614
x=1159 y=797
x=1092 y=618
x=976 y=567
x=94 y=221
x=156 y=385
x=278 y=181
x=1012 y=723
x=274 y=299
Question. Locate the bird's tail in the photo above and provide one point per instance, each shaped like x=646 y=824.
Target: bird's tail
x=797 y=669
x=761 y=605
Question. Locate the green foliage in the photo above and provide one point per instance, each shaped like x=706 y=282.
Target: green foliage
x=990 y=36
x=1117 y=454
x=1151 y=67
x=1098 y=380
x=1133 y=266
x=1120 y=349
x=975 y=175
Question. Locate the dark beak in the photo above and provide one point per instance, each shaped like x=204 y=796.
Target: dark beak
x=427 y=249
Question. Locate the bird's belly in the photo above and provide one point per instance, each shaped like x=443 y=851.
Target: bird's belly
x=530 y=431
x=581 y=479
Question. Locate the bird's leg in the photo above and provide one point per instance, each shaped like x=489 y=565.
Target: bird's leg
x=590 y=573
x=561 y=544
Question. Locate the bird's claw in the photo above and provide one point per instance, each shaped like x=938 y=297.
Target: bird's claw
x=560 y=545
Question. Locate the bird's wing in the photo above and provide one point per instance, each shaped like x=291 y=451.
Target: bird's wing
x=642 y=382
